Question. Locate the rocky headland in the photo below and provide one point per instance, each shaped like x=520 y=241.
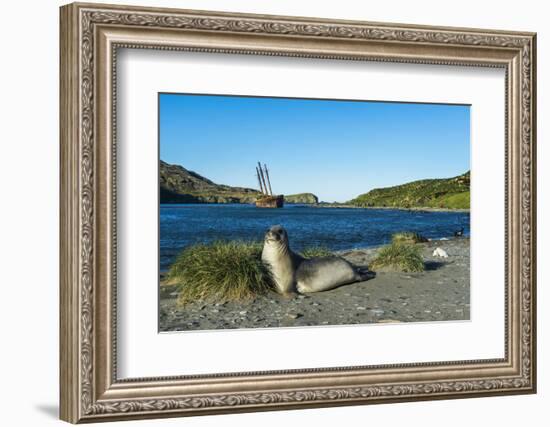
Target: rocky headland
x=179 y=185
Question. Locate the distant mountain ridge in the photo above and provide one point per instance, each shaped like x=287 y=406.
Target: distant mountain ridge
x=179 y=185
x=448 y=193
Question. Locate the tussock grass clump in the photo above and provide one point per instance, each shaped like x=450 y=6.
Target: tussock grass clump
x=409 y=237
x=399 y=256
x=219 y=272
x=315 y=251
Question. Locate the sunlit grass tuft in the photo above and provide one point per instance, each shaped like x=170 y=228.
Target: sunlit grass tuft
x=219 y=272
x=399 y=256
x=409 y=237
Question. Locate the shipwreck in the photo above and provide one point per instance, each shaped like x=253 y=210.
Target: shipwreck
x=267 y=199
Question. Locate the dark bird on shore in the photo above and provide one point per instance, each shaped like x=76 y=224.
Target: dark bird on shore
x=459 y=233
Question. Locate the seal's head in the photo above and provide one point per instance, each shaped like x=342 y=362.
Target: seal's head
x=276 y=236
x=277 y=256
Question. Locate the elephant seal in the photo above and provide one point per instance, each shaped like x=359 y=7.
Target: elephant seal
x=292 y=272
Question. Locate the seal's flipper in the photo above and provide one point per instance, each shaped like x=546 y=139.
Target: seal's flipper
x=365 y=274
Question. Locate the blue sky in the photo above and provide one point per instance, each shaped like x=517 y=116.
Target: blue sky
x=334 y=149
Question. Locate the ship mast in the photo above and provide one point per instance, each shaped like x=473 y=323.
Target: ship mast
x=259 y=180
x=263 y=178
x=268 y=181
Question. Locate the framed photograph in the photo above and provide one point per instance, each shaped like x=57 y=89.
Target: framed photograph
x=267 y=212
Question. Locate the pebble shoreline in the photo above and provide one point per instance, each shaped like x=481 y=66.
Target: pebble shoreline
x=441 y=293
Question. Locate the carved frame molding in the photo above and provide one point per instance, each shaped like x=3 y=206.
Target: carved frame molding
x=90 y=36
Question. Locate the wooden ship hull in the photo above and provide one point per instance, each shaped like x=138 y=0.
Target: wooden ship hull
x=270 y=202
x=267 y=199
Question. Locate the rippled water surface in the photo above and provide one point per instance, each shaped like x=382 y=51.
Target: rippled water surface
x=334 y=228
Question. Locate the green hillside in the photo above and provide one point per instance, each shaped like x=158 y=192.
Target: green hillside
x=449 y=193
x=302 y=198
x=179 y=185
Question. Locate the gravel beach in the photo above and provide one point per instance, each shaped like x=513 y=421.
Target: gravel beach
x=440 y=293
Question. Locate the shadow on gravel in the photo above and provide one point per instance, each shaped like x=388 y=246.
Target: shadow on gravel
x=433 y=265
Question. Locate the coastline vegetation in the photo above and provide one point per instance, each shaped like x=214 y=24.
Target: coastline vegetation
x=219 y=272
x=409 y=237
x=449 y=193
x=400 y=256
x=303 y=198
x=224 y=271
x=179 y=185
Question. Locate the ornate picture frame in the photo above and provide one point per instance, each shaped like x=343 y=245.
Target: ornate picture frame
x=90 y=37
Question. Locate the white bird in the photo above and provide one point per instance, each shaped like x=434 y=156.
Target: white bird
x=440 y=253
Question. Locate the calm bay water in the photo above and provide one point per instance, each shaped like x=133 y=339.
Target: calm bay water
x=334 y=228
